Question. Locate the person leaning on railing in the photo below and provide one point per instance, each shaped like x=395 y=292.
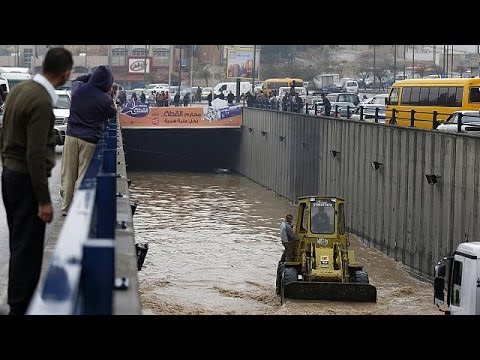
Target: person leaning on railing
x=92 y=105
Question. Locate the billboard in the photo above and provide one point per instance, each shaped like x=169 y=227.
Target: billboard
x=136 y=65
x=240 y=63
x=138 y=115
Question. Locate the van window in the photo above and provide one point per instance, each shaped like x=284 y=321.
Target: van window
x=474 y=95
x=406 y=96
x=414 y=95
x=393 y=99
x=433 y=96
x=424 y=92
x=442 y=96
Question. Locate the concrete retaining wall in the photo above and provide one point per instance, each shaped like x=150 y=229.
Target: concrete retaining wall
x=393 y=208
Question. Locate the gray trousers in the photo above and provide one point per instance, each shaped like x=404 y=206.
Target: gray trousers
x=289 y=248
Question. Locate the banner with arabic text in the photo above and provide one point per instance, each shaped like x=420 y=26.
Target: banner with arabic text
x=141 y=116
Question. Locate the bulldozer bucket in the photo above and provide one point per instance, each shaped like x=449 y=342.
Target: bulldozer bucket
x=335 y=291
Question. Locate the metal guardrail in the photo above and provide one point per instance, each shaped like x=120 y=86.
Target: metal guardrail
x=81 y=275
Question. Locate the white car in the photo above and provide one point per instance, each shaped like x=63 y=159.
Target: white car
x=369 y=107
x=62 y=113
x=470 y=123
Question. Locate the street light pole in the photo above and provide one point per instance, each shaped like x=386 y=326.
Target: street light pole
x=451 y=66
x=413 y=61
x=404 y=62
x=145 y=69
x=180 y=71
x=253 y=71
x=374 y=56
x=478 y=58
x=170 y=64
x=125 y=63
x=446 y=62
x=191 y=70
x=394 y=63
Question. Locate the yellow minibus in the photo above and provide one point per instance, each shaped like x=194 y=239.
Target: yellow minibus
x=430 y=99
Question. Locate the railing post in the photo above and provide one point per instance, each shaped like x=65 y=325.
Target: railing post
x=98 y=276
x=361 y=113
x=376 y=114
x=393 y=119
x=106 y=205
x=459 y=124
x=412 y=118
x=348 y=112
x=434 y=120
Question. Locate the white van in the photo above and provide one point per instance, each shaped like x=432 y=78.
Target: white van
x=4 y=85
x=14 y=75
x=226 y=87
x=351 y=86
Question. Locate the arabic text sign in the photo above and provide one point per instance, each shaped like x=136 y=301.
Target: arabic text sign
x=186 y=117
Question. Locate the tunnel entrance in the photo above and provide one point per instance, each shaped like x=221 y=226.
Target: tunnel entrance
x=180 y=149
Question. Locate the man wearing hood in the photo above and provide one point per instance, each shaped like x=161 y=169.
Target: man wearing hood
x=92 y=105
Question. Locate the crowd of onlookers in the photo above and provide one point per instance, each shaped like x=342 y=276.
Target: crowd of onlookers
x=291 y=101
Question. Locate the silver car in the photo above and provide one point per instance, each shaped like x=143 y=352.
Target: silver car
x=470 y=123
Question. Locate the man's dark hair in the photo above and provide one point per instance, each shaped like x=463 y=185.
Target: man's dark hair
x=57 y=60
x=289 y=217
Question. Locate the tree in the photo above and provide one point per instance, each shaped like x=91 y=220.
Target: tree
x=461 y=69
x=364 y=67
x=203 y=73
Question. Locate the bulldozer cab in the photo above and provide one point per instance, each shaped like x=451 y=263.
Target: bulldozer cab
x=321 y=220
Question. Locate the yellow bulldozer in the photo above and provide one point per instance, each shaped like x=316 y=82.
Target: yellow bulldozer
x=323 y=267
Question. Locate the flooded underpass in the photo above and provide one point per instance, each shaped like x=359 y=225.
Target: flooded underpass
x=214 y=247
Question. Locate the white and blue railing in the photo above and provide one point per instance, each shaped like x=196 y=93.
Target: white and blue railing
x=80 y=278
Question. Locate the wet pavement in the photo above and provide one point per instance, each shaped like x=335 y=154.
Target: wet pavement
x=214 y=247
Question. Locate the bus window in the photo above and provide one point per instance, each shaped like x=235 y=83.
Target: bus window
x=406 y=96
x=393 y=98
x=458 y=97
x=424 y=91
x=474 y=95
x=442 y=96
x=433 y=96
x=414 y=96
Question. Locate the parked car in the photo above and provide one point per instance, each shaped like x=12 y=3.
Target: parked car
x=205 y=91
x=344 y=97
x=345 y=108
x=62 y=113
x=369 y=107
x=470 y=123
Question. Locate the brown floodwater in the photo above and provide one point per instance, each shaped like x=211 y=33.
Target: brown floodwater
x=214 y=247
